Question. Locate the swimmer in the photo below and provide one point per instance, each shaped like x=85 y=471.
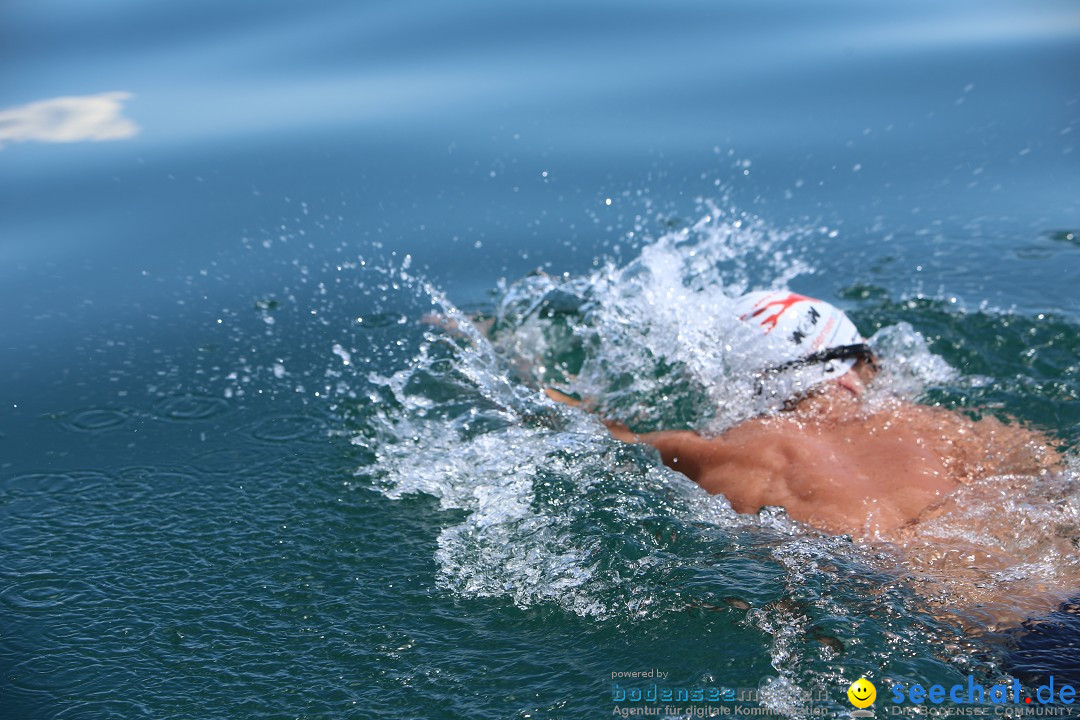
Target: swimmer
x=830 y=458
x=974 y=511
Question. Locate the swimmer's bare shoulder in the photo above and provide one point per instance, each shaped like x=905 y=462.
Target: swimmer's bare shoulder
x=844 y=470
x=749 y=453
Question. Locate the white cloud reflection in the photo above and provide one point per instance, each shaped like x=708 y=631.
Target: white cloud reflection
x=68 y=119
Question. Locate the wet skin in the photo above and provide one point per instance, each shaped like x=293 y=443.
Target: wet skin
x=845 y=467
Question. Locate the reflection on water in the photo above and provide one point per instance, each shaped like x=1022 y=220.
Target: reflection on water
x=68 y=119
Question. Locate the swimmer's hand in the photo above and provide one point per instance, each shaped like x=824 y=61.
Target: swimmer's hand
x=451 y=325
x=439 y=321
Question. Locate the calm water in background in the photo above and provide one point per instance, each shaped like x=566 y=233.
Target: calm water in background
x=182 y=527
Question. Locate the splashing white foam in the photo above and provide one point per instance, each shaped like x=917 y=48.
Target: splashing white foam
x=910 y=367
x=552 y=511
x=663 y=331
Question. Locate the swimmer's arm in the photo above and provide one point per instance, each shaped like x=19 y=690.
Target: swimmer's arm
x=453 y=326
x=681 y=450
x=617 y=429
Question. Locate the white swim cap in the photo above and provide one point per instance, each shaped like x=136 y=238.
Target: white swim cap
x=812 y=339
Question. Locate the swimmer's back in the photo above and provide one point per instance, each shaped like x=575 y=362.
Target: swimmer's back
x=867 y=474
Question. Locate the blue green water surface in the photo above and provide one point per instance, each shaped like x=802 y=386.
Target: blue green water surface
x=239 y=479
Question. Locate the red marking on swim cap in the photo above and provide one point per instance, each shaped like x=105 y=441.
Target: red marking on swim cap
x=784 y=304
x=824 y=334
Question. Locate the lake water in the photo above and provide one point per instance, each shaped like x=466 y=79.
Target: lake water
x=240 y=478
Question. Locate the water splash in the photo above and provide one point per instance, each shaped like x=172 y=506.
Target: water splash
x=545 y=509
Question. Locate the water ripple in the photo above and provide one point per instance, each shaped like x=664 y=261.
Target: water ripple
x=94 y=420
x=53 y=673
x=44 y=483
x=43 y=590
x=286 y=428
x=228 y=460
x=187 y=408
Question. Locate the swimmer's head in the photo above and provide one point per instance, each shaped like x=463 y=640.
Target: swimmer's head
x=809 y=341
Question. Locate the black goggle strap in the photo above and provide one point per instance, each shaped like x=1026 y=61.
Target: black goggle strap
x=840 y=352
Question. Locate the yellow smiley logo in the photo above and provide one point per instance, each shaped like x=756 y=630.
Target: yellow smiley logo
x=862 y=693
